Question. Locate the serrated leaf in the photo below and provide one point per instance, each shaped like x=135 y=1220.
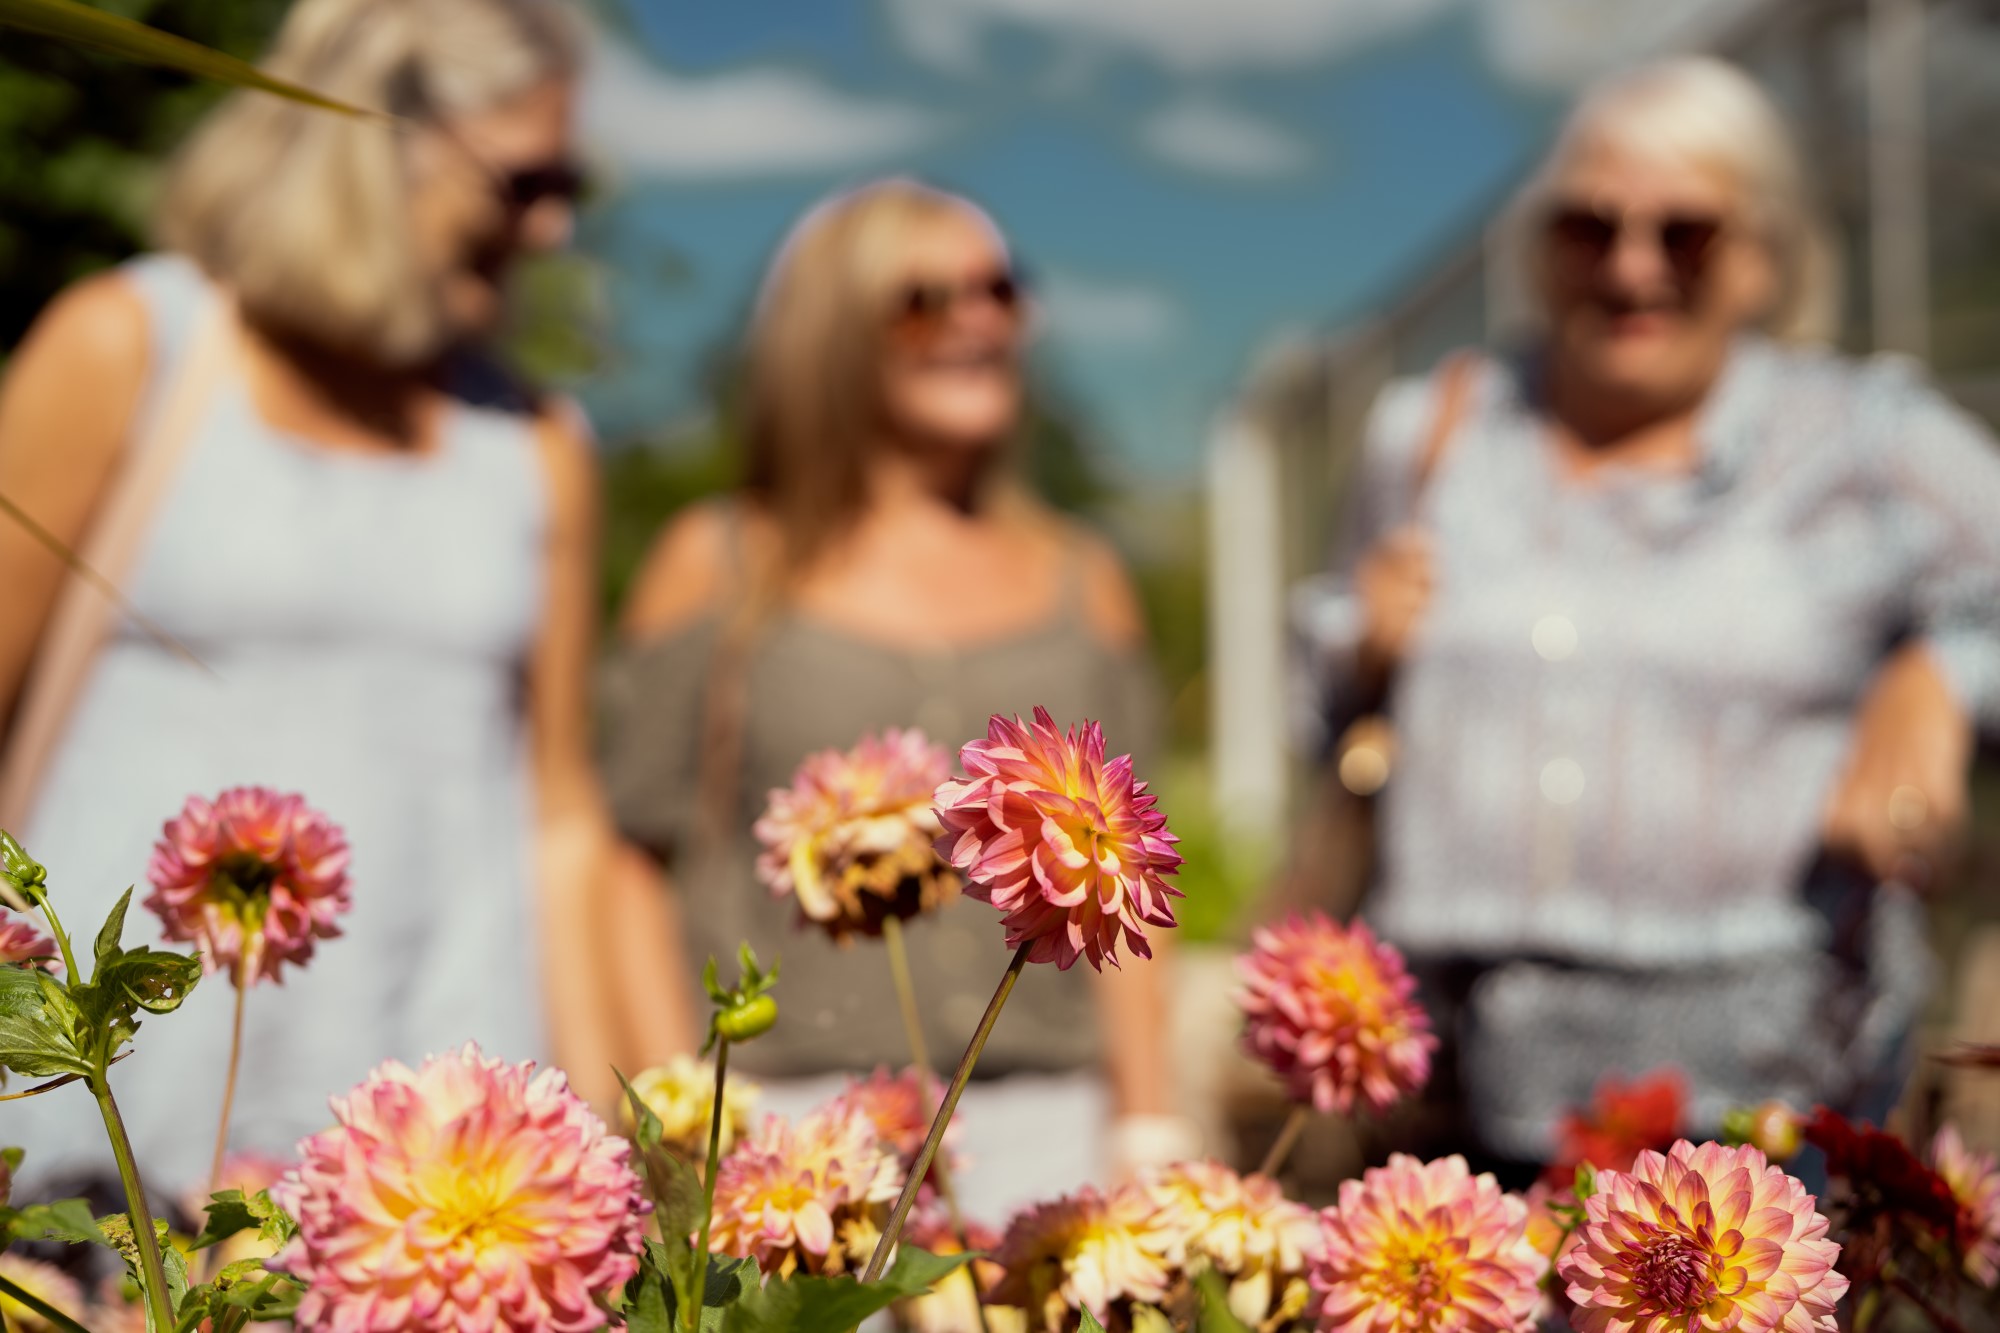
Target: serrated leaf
x=40 y=1026
x=66 y=1220
x=728 y=1278
x=228 y=1213
x=835 y=1303
x=649 y=1301
x=82 y=25
x=112 y=933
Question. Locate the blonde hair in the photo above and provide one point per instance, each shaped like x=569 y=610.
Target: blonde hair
x=1701 y=109
x=302 y=213
x=810 y=399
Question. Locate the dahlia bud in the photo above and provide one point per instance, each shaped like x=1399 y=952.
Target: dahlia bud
x=18 y=868
x=1772 y=1128
x=750 y=1018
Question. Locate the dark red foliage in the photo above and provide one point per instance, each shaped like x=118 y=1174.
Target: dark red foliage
x=1882 y=1173
x=1622 y=1120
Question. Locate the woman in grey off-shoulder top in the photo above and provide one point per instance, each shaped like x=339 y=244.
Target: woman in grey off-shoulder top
x=1649 y=660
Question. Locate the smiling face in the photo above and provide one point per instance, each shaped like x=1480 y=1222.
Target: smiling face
x=1650 y=264
x=952 y=334
x=486 y=188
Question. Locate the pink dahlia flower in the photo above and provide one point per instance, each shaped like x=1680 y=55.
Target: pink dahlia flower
x=901 y=1107
x=1333 y=1012
x=851 y=838
x=469 y=1194
x=1243 y=1229
x=811 y=1195
x=1084 y=1251
x=1071 y=850
x=255 y=878
x=1975 y=1183
x=1422 y=1247
x=953 y=1304
x=1708 y=1237
x=21 y=943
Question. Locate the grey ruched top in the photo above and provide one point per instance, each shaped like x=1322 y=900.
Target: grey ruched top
x=814 y=686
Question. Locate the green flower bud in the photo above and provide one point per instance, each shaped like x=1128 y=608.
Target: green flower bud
x=18 y=868
x=747 y=1018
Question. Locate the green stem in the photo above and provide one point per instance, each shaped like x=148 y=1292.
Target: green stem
x=1288 y=1138
x=15 y=1291
x=74 y=977
x=913 y=1028
x=150 y=1267
x=242 y=980
x=928 y=1154
x=692 y=1305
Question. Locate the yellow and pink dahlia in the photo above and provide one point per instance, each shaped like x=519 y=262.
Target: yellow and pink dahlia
x=254 y=878
x=1975 y=1183
x=1702 y=1238
x=469 y=1194
x=901 y=1107
x=21 y=943
x=42 y=1280
x=811 y=1195
x=1422 y=1247
x=681 y=1093
x=1071 y=849
x=1333 y=1012
x=1085 y=1251
x=1243 y=1229
x=954 y=1304
x=851 y=838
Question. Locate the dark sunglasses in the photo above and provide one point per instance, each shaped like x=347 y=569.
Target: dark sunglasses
x=1588 y=236
x=923 y=306
x=525 y=187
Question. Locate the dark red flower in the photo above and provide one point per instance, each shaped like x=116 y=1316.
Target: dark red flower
x=1882 y=1174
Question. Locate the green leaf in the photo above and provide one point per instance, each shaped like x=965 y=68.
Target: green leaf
x=42 y=1031
x=228 y=1213
x=649 y=1301
x=118 y=1234
x=82 y=25
x=66 y=1220
x=1212 y=1302
x=112 y=932
x=1090 y=1324
x=834 y=1304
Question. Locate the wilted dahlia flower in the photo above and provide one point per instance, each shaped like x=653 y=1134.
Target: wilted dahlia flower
x=1071 y=850
x=468 y=1194
x=681 y=1093
x=256 y=876
x=1333 y=1012
x=1707 y=1237
x=1975 y=1183
x=810 y=1195
x=1084 y=1251
x=46 y=1281
x=20 y=942
x=1418 y=1247
x=1244 y=1229
x=851 y=838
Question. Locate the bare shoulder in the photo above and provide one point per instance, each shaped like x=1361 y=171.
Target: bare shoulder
x=74 y=385
x=685 y=570
x=96 y=328
x=1110 y=601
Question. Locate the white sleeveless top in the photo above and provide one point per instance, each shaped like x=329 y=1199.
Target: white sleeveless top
x=367 y=619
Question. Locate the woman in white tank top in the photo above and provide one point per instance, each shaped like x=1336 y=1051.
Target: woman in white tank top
x=380 y=552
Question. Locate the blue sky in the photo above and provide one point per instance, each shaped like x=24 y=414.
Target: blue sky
x=1182 y=179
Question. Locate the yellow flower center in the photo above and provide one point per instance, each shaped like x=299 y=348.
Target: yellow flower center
x=1418 y=1270
x=470 y=1211
x=1673 y=1276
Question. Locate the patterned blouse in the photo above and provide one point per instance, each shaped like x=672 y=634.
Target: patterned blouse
x=1632 y=694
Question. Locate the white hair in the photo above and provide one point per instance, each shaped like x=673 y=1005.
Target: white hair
x=1700 y=109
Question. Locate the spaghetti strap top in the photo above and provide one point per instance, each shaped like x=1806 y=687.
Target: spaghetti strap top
x=362 y=622
x=813 y=686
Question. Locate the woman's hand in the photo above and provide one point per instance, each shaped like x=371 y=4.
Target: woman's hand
x=1900 y=802
x=1394 y=584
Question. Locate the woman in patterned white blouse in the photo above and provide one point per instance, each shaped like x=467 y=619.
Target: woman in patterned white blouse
x=1689 y=630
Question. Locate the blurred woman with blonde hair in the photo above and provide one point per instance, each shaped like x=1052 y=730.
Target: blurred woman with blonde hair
x=360 y=561
x=882 y=566
x=1688 y=623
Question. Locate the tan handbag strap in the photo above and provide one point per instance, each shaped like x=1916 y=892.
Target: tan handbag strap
x=1455 y=379
x=84 y=616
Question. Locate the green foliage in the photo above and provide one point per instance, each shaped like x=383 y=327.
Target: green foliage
x=835 y=1304
x=744 y=1011
x=85 y=135
x=1220 y=875
x=232 y=1211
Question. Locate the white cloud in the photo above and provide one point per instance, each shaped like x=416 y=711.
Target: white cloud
x=1558 y=43
x=751 y=122
x=1105 y=312
x=1205 y=135
x=1188 y=36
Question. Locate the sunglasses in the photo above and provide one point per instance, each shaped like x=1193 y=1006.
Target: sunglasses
x=1587 y=237
x=524 y=187
x=925 y=307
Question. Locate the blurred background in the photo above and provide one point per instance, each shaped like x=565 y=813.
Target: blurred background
x=1238 y=221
